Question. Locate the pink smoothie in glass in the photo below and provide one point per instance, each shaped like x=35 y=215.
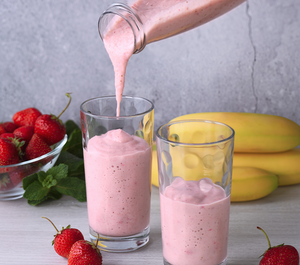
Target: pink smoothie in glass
x=118 y=183
x=195 y=222
x=161 y=19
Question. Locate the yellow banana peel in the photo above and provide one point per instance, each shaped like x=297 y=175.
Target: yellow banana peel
x=154 y=172
x=289 y=179
x=284 y=164
x=248 y=183
x=254 y=132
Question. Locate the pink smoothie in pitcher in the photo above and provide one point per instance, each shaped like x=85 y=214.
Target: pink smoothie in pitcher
x=195 y=222
x=118 y=183
x=161 y=19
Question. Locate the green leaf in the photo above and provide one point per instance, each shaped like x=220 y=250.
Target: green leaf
x=74 y=144
x=35 y=191
x=58 y=172
x=73 y=187
x=74 y=163
x=54 y=194
x=36 y=202
x=28 y=180
x=70 y=127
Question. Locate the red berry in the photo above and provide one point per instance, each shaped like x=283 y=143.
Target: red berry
x=36 y=147
x=25 y=133
x=8 y=153
x=9 y=126
x=5 y=183
x=26 y=117
x=17 y=175
x=84 y=252
x=50 y=127
x=2 y=129
x=9 y=136
x=64 y=239
x=282 y=254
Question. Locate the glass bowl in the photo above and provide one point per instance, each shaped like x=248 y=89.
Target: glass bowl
x=11 y=176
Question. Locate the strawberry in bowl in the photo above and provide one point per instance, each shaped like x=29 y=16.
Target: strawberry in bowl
x=25 y=150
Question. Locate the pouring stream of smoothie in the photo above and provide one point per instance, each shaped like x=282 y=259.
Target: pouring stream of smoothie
x=161 y=19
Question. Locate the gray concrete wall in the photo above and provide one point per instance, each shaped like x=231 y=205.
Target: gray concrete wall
x=248 y=60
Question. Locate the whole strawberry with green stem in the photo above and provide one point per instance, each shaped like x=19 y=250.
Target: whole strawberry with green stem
x=64 y=239
x=50 y=127
x=279 y=255
x=84 y=252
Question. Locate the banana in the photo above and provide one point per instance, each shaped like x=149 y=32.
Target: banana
x=154 y=171
x=248 y=183
x=289 y=179
x=284 y=164
x=254 y=132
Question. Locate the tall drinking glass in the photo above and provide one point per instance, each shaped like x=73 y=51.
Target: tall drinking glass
x=117 y=161
x=195 y=166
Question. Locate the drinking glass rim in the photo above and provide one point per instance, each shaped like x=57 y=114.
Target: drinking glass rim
x=195 y=144
x=114 y=117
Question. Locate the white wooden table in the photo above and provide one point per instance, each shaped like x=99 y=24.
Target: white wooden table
x=25 y=238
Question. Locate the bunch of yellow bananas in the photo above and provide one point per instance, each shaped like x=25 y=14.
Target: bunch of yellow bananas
x=265 y=152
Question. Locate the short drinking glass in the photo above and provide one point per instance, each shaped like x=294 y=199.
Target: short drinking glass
x=195 y=166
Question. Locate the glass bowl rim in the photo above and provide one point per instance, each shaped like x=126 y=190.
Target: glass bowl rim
x=59 y=145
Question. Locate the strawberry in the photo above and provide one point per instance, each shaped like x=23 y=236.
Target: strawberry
x=8 y=136
x=5 y=183
x=50 y=127
x=25 y=133
x=36 y=147
x=8 y=153
x=84 y=252
x=26 y=117
x=281 y=254
x=17 y=175
x=64 y=239
x=2 y=129
x=9 y=126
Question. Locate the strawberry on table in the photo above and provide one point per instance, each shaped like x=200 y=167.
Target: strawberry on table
x=36 y=147
x=281 y=254
x=50 y=127
x=26 y=117
x=64 y=239
x=84 y=252
x=9 y=126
